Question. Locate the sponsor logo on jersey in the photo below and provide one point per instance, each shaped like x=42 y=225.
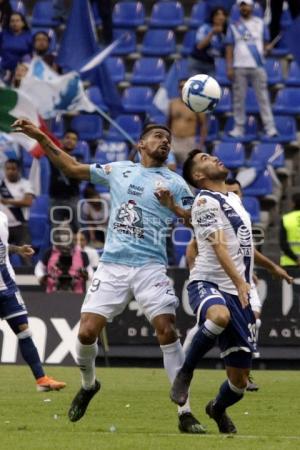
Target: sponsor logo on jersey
x=135 y=190
x=107 y=168
x=187 y=201
x=207 y=217
x=126 y=173
x=201 y=201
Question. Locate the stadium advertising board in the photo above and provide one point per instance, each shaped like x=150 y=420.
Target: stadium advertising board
x=54 y=320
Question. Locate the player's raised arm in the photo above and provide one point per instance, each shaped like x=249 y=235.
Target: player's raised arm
x=68 y=165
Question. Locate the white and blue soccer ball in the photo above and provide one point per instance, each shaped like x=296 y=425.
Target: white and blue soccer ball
x=201 y=93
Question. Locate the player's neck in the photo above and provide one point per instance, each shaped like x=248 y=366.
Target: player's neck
x=149 y=162
x=216 y=186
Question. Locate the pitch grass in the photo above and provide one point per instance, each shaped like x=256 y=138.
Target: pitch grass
x=133 y=412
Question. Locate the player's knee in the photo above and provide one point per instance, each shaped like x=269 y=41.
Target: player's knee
x=87 y=334
x=166 y=334
x=219 y=315
x=239 y=379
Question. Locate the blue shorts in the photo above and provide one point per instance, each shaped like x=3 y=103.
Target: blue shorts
x=11 y=304
x=237 y=342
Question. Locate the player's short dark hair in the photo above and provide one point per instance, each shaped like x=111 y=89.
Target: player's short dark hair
x=232 y=181
x=188 y=166
x=70 y=130
x=296 y=200
x=153 y=126
x=13 y=161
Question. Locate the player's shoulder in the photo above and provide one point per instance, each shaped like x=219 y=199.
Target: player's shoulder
x=113 y=166
x=206 y=197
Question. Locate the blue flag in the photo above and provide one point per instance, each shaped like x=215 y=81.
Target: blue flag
x=79 y=45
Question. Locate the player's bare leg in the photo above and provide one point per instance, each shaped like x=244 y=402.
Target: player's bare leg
x=86 y=351
x=231 y=392
x=173 y=357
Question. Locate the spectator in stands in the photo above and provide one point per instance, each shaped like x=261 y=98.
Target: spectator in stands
x=92 y=253
x=290 y=235
x=5 y=13
x=95 y=214
x=185 y=125
x=245 y=62
x=209 y=43
x=16 y=196
x=41 y=48
x=64 y=191
x=64 y=266
x=19 y=73
x=60 y=10
x=15 y=44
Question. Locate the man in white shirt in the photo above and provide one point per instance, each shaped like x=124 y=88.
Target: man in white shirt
x=245 y=48
x=16 y=196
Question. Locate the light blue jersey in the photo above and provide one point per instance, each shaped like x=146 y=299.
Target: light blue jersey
x=138 y=223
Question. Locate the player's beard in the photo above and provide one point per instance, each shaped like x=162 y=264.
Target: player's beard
x=160 y=156
x=218 y=175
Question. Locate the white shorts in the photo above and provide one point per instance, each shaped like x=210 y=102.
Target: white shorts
x=114 y=285
x=254 y=299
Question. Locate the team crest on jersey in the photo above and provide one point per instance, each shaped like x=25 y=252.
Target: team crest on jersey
x=107 y=168
x=129 y=220
x=201 y=201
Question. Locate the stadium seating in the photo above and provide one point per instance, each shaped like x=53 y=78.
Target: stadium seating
x=42 y=15
x=127 y=43
x=213 y=128
x=128 y=14
x=88 y=126
x=221 y=72
x=108 y=151
x=183 y=69
x=132 y=124
x=156 y=116
x=286 y=127
x=137 y=99
x=15 y=260
x=181 y=237
x=293 y=78
x=281 y=49
x=38 y=223
x=168 y=14
x=198 y=15
x=148 y=71
x=82 y=152
x=116 y=69
x=188 y=42
x=231 y=154
x=45 y=175
x=95 y=11
x=18 y=6
x=251 y=204
x=95 y=95
x=251 y=130
x=287 y=101
x=267 y=153
x=274 y=71
x=251 y=102
x=261 y=186
x=225 y=104
x=158 y=43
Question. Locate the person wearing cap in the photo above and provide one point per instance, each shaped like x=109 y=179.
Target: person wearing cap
x=245 y=46
x=134 y=258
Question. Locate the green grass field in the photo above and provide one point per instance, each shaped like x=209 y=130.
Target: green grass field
x=133 y=412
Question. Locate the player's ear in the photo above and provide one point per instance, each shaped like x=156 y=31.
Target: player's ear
x=140 y=145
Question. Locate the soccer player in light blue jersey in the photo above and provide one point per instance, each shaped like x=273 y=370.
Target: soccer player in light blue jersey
x=134 y=259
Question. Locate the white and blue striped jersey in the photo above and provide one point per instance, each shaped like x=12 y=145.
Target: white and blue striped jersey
x=213 y=211
x=7 y=274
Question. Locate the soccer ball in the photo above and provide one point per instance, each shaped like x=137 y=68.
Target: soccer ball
x=201 y=93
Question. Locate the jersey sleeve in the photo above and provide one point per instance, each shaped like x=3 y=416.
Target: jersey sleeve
x=101 y=174
x=184 y=197
x=206 y=216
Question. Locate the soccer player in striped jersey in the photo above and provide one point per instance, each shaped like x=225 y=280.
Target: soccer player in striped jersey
x=13 y=310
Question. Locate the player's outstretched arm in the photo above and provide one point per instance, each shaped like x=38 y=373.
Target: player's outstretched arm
x=68 y=165
x=218 y=242
x=262 y=261
x=23 y=250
